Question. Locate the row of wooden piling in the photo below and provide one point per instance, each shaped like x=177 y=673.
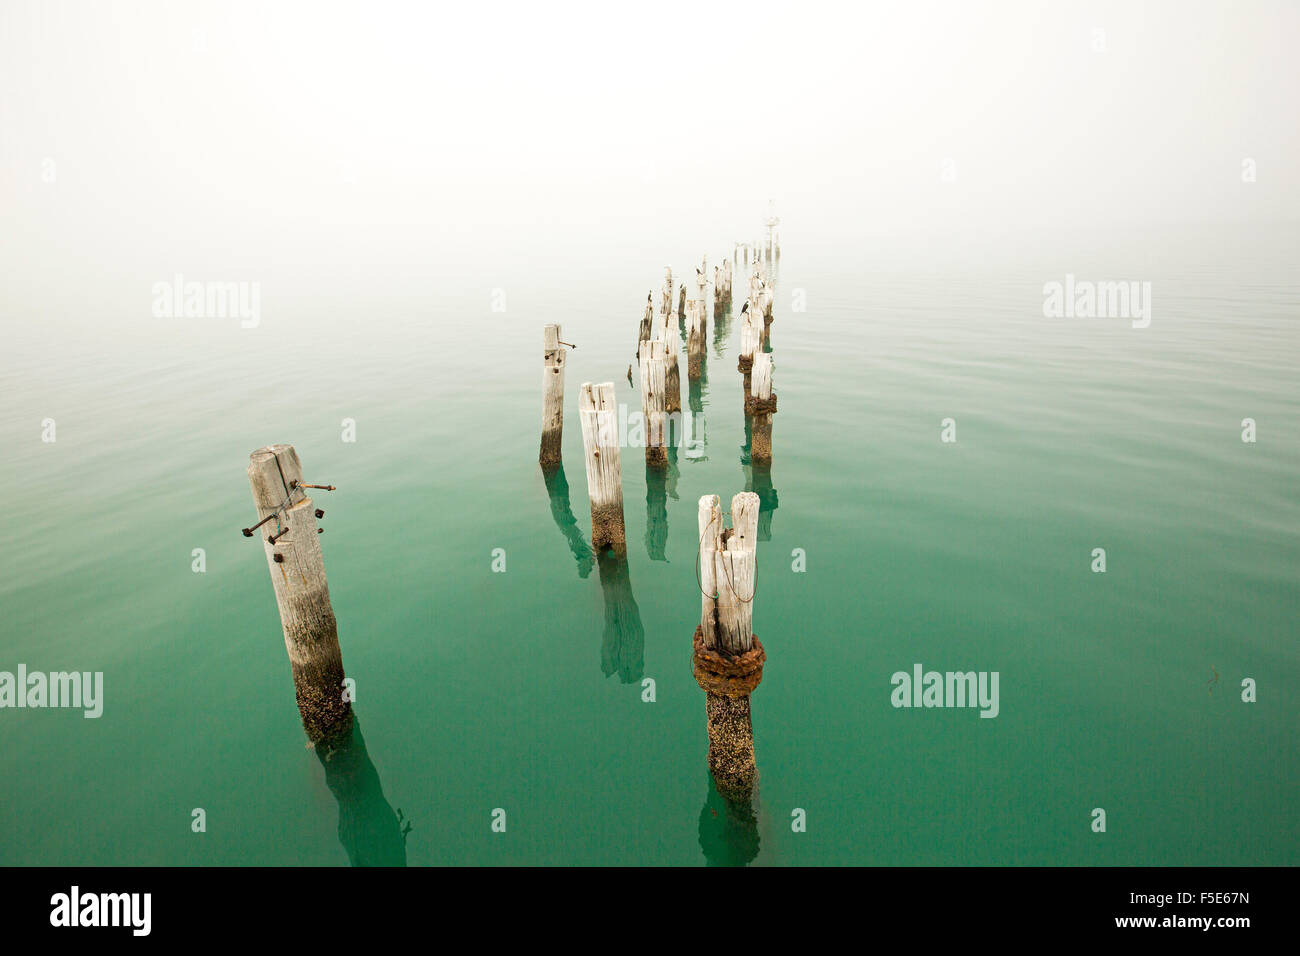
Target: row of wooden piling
x=727 y=657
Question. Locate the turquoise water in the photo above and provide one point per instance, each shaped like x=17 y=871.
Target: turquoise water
x=522 y=690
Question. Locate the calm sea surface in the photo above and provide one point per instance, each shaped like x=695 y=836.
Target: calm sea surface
x=523 y=690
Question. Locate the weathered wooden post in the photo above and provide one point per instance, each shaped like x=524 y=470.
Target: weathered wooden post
x=287 y=522
x=668 y=290
x=761 y=404
x=726 y=279
x=727 y=656
x=696 y=338
x=749 y=343
x=766 y=296
x=653 y=395
x=702 y=281
x=552 y=396
x=672 y=377
x=647 y=322
x=599 y=418
x=681 y=303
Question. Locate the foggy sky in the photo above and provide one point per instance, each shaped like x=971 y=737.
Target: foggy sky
x=242 y=132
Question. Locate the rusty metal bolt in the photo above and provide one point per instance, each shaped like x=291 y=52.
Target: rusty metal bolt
x=248 y=532
x=279 y=558
x=320 y=513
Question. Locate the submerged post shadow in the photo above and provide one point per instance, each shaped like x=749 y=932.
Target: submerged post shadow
x=372 y=833
x=557 y=489
x=660 y=483
x=721 y=330
x=728 y=828
x=622 y=645
x=758 y=479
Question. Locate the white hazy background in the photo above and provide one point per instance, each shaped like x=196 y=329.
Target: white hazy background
x=318 y=141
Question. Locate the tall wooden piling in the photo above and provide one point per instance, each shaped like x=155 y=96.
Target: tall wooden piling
x=653 y=395
x=293 y=555
x=672 y=376
x=761 y=404
x=552 y=396
x=702 y=281
x=681 y=303
x=727 y=656
x=667 y=305
x=750 y=338
x=647 y=321
x=599 y=418
x=766 y=296
x=696 y=338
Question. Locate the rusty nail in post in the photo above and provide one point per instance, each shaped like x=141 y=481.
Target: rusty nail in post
x=279 y=558
x=320 y=513
x=248 y=532
x=569 y=344
x=321 y=487
x=320 y=530
x=276 y=537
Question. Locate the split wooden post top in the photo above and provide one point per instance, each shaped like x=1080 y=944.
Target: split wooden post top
x=275 y=476
x=553 y=357
x=727 y=573
x=598 y=416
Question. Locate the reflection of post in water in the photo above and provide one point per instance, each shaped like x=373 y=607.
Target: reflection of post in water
x=721 y=330
x=696 y=387
x=660 y=482
x=759 y=481
x=656 y=512
x=728 y=829
x=622 y=646
x=557 y=489
x=372 y=833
